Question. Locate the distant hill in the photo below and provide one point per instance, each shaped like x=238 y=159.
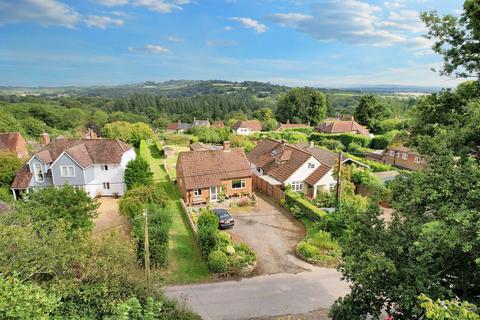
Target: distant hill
x=187 y=88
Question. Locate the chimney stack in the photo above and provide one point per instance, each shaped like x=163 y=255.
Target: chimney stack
x=288 y=121
x=226 y=145
x=44 y=139
x=311 y=144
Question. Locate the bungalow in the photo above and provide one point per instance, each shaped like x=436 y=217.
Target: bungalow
x=181 y=127
x=205 y=176
x=13 y=142
x=342 y=126
x=305 y=168
x=247 y=127
x=94 y=165
x=288 y=125
x=404 y=157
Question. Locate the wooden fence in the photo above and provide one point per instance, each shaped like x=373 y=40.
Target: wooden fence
x=270 y=190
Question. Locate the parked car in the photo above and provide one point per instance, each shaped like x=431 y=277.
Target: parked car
x=225 y=220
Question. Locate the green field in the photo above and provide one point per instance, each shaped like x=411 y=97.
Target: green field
x=185 y=263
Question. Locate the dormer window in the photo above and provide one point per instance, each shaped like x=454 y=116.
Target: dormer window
x=311 y=165
x=38 y=171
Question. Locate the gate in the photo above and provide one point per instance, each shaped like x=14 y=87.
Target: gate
x=267 y=188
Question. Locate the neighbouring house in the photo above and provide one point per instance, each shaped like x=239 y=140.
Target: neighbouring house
x=305 y=168
x=342 y=126
x=96 y=166
x=181 y=127
x=13 y=142
x=246 y=127
x=219 y=124
x=199 y=146
x=207 y=176
x=404 y=157
x=288 y=125
x=281 y=164
x=328 y=157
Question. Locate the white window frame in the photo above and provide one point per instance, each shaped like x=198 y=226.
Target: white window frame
x=311 y=165
x=69 y=171
x=197 y=192
x=297 y=186
x=392 y=153
x=106 y=186
x=38 y=170
x=104 y=167
x=331 y=187
x=417 y=159
x=404 y=156
x=243 y=184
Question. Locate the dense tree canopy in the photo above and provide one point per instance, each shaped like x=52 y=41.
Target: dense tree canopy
x=302 y=105
x=457 y=40
x=370 y=112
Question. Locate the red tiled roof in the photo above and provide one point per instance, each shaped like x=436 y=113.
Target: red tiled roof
x=12 y=141
x=285 y=126
x=22 y=179
x=342 y=127
x=268 y=153
x=203 y=169
x=318 y=174
x=253 y=125
x=172 y=126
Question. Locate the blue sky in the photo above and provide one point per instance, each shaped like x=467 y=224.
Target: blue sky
x=329 y=43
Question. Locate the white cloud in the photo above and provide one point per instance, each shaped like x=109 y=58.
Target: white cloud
x=355 y=22
x=150 y=48
x=251 y=23
x=174 y=39
x=227 y=28
x=162 y=6
x=102 y=22
x=394 y=4
x=43 y=12
x=111 y=3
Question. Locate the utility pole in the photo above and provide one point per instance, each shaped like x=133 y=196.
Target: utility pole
x=339 y=179
x=146 y=250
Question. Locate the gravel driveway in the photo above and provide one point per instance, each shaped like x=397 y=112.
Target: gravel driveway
x=271 y=232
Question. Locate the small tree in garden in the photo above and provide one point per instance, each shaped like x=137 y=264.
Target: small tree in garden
x=138 y=173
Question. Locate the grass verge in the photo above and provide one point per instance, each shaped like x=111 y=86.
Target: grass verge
x=185 y=262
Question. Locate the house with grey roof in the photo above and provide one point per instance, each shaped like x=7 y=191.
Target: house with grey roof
x=96 y=166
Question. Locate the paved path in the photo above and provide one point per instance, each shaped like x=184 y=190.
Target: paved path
x=263 y=296
x=272 y=232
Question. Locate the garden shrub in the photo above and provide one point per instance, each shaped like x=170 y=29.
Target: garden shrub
x=325 y=199
x=382 y=141
x=321 y=248
x=135 y=200
x=358 y=150
x=302 y=207
x=159 y=224
x=137 y=173
x=217 y=262
x=344 y=138
x=207 y=225
x=332 y=144
x=223 y=240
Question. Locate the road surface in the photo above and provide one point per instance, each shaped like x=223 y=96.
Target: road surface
x=264 y=296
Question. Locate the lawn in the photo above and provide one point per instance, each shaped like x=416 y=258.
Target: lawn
x=172 y=162
x=185 y=263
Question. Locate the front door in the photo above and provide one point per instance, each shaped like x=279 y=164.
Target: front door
x=213 y=194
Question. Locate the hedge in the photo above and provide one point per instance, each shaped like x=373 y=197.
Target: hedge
x=382 y=141
x=217 y=262
x=344 y=138
x=301 y=207
x=159 y=224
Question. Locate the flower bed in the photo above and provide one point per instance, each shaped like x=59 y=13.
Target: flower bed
x=222 y=255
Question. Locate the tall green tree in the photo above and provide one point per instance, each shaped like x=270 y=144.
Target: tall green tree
x=370 y=112
x=9 y=164
x=138 y=173
x=457 y=39
x=302 y=105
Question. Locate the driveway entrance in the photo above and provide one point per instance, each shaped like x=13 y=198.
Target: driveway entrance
x=272 y=233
